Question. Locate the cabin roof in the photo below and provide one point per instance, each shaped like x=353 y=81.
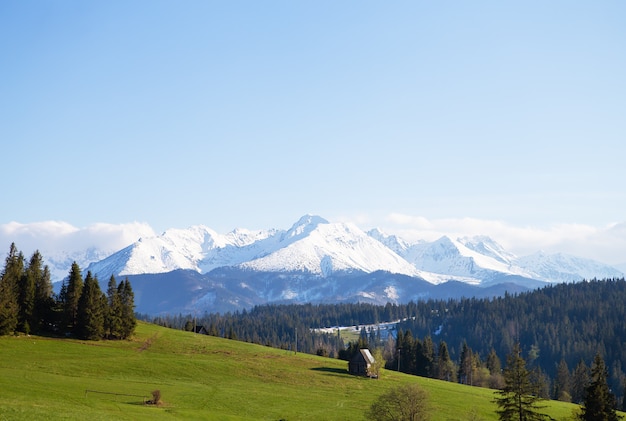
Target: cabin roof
x=367 y=355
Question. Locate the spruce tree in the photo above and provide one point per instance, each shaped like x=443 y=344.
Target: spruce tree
x=127 y=298
x=9 y=291
x=562 y=389
x=44 y=301
x=425 y=357
x=580 y=381
x=90 y=314
x=72 y=294
x=493 y=362
x=36 y=293
x=518 y=400
x=599 y=403
x=113 y=322
x=465 y=365
x=445 y=366
x=26 y=301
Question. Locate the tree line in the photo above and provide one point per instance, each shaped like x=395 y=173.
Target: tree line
x=519 y=398
x=81 y=309
x=560 y=328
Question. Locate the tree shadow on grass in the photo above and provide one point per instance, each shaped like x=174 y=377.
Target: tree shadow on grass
x=331 y=370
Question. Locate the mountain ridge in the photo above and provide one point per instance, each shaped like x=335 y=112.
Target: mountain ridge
x=320 y=261
x=317 y=246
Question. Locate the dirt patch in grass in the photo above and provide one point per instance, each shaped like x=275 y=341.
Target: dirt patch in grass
x=147 y=343
x=218 y=351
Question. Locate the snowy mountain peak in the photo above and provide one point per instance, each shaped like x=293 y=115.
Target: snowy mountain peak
x=488 y=247
x=316 y=246
x=560 y=267
x=395 y=243
x=305 y=225
x=242 y=237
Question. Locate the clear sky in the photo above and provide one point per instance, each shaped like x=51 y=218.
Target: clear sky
x=506 y=118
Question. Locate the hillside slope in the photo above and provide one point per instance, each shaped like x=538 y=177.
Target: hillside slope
x=200 y=377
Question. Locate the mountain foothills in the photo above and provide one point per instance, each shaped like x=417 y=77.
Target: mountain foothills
x=197 y=269
x=559 y=330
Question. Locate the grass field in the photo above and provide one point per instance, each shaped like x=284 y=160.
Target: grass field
x=202 y=377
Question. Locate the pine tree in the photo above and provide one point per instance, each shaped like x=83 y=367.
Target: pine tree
x=26 y=301
x=113 y=323
x=71 y=297
x=36 y=298
x=562 y=389
x=425 y=357
x=465 y=365
x=493 y=362
x=127 y=298
x=90 y=314
x=445 y=367
x=518 y=399
x=599 y=403
x=9 y=291
x=44 y=301
x=580 y=381
x=407 y=353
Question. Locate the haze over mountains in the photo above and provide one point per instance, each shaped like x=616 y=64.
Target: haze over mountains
x=315 y=260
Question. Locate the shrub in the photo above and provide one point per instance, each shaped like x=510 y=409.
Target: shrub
x=403 y=403
x=156 y=398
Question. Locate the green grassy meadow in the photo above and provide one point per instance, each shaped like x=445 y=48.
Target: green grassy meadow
x=202 y=377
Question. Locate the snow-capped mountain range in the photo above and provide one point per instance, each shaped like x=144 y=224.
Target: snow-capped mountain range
x=315 y=246
x=316 y=260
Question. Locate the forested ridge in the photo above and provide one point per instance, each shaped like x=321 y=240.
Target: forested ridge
x=81 y=309
x=566 y=321
x=559 y=328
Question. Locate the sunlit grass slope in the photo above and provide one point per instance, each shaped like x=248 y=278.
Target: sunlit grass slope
x=201 y=377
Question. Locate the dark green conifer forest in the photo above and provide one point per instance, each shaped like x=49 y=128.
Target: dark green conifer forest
x=81 y=309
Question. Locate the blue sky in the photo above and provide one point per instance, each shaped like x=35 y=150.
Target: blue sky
x=503 y=118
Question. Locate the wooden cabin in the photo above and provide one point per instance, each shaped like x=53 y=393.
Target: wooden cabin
x=360 y=364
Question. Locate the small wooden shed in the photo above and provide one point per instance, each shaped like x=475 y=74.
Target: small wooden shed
x=360 y=364
x=200 y=329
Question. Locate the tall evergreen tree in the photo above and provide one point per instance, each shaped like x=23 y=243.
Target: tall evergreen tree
x=466 y=365
x=446 y=369
x=36 y=294
x=127 y=298
x=562 y=388
x=113 y=322
x=90 y=314
x=494 y=366
x=26 y=301
x=599 y=403
x=405 y=352
x=493 y=362
x=71 y=297
x=9 y=290
x=44 y=301
x=580 y=381
x=425 y=357
x=518 y=400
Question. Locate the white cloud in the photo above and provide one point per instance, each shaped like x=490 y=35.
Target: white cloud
x=606 y=244
x=50 y=237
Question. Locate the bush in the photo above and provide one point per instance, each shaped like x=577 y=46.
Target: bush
x=403 y=403
x=156 y=398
